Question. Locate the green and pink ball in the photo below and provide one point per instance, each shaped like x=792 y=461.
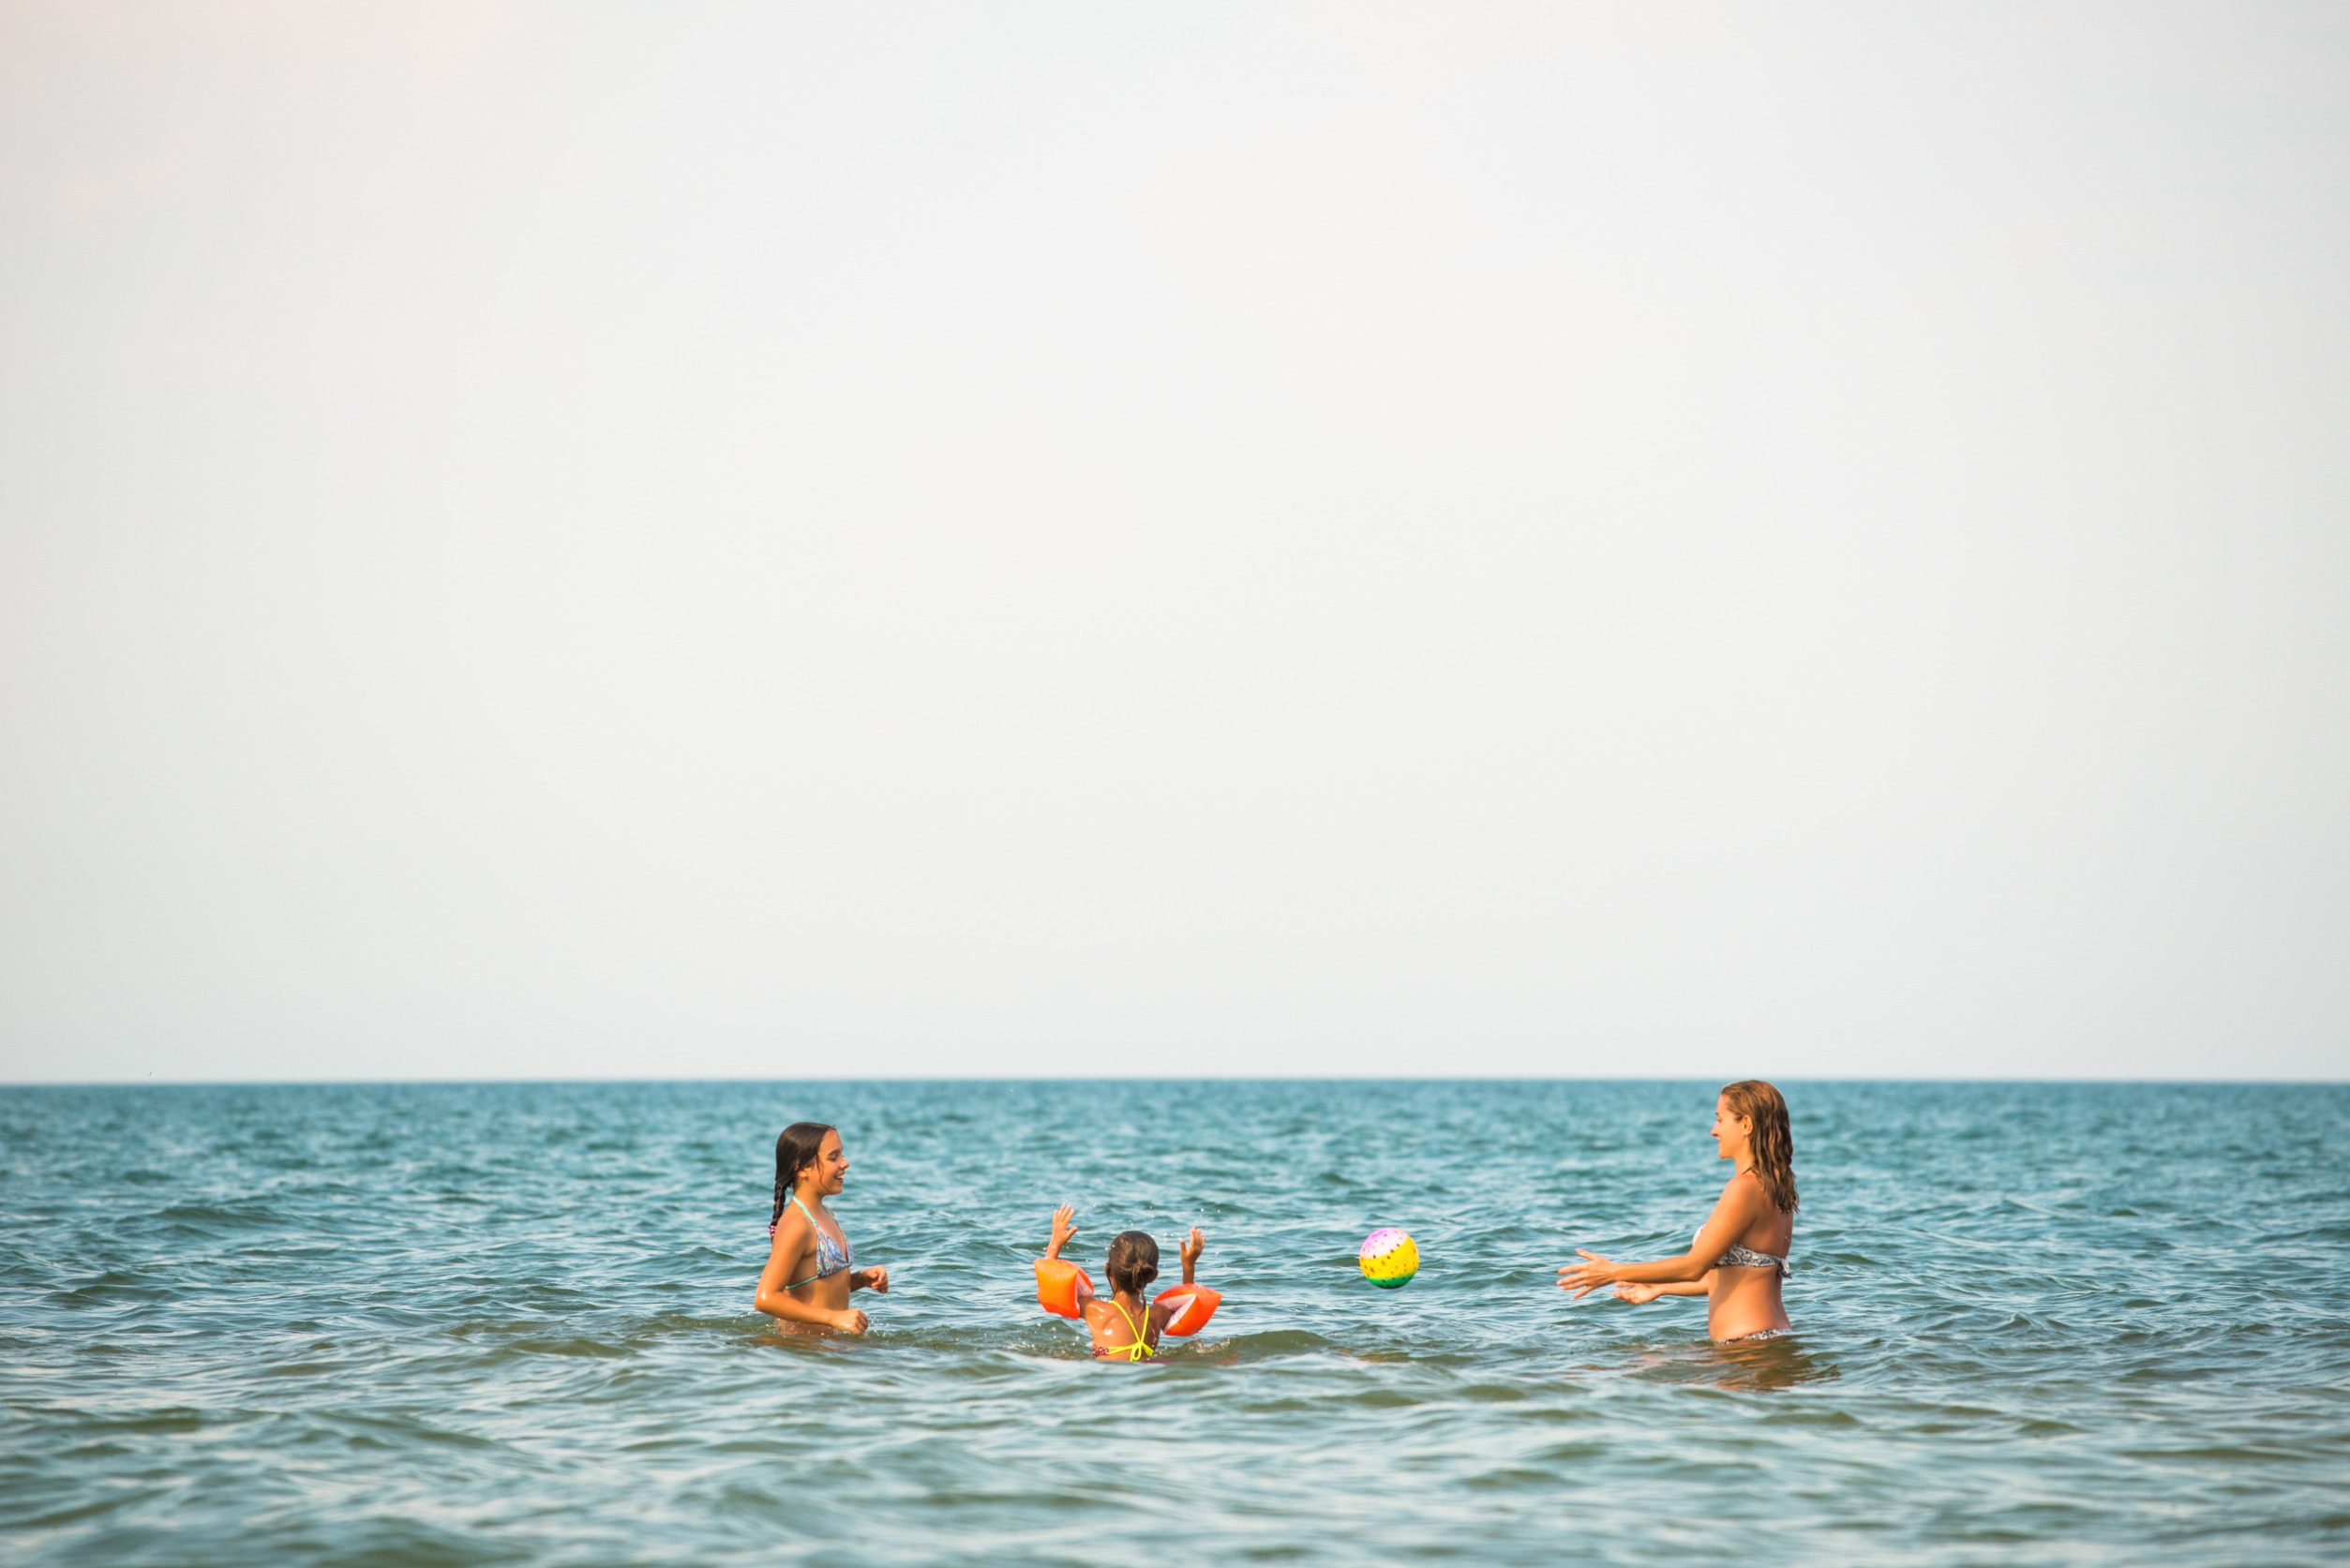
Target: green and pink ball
x=1389 y=1259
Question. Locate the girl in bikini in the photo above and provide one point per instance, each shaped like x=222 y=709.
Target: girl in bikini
x=1125 y=1326
x=1740 y=1257
x=811 y=1268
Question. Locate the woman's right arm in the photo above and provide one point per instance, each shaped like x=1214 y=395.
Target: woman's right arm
x=791 y=1243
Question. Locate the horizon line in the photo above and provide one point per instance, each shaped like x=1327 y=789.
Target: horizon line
x=150 y=1080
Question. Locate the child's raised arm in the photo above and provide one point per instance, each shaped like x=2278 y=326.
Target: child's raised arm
x=1175 y=1301
x=1064 y=1228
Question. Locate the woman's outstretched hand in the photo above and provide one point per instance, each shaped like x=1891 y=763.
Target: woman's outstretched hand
x=1584 y=1278
x=1638 y=1295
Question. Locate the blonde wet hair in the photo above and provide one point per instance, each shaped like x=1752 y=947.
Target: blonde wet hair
x=1773 y=1146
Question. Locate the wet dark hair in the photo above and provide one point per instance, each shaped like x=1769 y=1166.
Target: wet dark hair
x=795 y=1151
x=1133 y=1261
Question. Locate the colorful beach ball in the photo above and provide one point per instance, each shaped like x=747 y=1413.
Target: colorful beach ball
x=1389 y=1259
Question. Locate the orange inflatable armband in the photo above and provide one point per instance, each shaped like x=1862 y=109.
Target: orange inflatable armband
x=1192 y=1305
x=1063 y=1287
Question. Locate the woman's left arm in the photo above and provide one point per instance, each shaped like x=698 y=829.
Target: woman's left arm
x=1639 y=1296
x=1729 y=1217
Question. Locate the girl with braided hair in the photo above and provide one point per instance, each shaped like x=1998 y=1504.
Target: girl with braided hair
x=811 y=1268
x=1740 y=1257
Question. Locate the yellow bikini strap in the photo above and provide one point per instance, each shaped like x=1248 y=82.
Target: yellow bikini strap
x=1139 y=1349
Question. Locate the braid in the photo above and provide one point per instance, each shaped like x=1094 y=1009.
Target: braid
x=795 y=1151
x=1773 y=1144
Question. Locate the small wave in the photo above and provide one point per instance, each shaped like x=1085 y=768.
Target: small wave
x=1265 y=1344
x=544 y=1346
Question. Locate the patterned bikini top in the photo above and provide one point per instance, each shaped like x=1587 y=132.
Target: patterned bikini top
x=831 y=1256
x=1747 y=1258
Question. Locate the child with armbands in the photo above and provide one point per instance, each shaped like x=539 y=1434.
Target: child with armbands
x=1124 y=1327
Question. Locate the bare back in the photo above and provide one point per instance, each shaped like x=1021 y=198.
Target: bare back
x=1114 y=1319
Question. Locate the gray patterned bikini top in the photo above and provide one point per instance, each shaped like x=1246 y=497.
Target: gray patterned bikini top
x=1747 y=1258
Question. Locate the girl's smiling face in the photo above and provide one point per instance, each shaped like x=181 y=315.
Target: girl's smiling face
x=830 y=1169
x=1731 y=1133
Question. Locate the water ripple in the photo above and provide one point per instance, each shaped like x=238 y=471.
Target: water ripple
x=484 y=1324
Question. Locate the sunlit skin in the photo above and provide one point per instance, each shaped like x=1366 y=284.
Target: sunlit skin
x=820 y=1304
x=1113 y=1331
x=1739 y=1301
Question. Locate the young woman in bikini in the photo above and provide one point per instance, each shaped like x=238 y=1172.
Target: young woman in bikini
x=1740 y=1257
x=811 y=1268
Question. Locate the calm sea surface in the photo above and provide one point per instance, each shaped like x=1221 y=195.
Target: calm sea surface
x=511 y=1323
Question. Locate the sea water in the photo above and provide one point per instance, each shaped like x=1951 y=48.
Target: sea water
x=511 y=1323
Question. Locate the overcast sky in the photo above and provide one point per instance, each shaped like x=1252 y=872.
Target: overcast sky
x=684 y=540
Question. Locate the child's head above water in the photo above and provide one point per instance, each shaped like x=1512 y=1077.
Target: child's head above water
x=1133 y=1261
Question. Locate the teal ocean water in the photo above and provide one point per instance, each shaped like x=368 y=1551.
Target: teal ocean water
x=511 y=1323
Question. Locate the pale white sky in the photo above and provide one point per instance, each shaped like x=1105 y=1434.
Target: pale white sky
x=587 y=540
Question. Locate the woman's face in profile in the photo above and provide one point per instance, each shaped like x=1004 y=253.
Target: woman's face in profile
x=1730 y=1133
x=832 y=1165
